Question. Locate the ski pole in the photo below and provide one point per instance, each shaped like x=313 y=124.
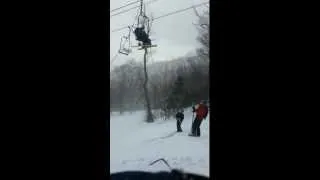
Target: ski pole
x=192 y=122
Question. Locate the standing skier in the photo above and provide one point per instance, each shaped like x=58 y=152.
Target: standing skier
x=201 y=111
x=179 y=117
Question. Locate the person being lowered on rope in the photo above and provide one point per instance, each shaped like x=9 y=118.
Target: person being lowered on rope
x=142 y=36
x=201 y=111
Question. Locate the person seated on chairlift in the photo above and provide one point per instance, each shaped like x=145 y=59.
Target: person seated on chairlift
x=142 y=36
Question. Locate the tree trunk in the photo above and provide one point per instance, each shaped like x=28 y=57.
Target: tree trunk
x=145 y=87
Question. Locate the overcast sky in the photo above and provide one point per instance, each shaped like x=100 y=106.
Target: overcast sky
x=175 y=35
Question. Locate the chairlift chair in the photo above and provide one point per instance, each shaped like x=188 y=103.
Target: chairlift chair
x=125 y=45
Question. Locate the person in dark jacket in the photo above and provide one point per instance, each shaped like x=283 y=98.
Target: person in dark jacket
x=142 y=36
x=201 y=111
x=179 y=118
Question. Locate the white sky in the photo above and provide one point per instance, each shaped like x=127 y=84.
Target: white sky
x=175 y=35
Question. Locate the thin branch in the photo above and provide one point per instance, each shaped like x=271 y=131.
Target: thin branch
x=195 y=11
x=163 y=160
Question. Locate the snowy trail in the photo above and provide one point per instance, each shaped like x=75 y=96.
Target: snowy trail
x=134 y=144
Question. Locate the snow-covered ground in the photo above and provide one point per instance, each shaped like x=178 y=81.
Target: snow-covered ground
x=134 y=144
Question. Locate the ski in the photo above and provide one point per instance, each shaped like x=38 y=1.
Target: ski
x=164 y=137
x=169 y=135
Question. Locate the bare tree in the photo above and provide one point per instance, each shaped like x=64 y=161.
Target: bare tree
x=125 y=86
x=149 y=117
x=203 y=27
x=121 y=86
x=145 y=87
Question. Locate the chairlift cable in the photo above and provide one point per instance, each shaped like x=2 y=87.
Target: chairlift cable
x=124 y=6
x=124 y=11
x=165 y=15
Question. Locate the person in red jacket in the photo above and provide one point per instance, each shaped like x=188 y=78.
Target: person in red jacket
x=201 y=111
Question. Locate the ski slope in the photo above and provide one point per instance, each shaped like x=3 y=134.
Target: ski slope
x=134 y=144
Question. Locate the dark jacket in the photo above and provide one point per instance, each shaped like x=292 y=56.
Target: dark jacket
x=180 y=116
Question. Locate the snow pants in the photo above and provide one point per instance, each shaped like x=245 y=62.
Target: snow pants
x=179 y=122
x=196 y=127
